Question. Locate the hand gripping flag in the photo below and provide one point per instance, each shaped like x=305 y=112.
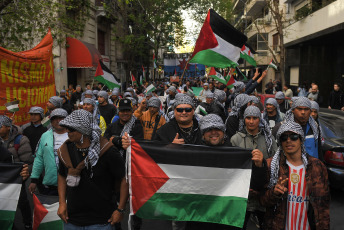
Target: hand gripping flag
x=189 y=183
x=10 y=186
x=45 y=213
x=218 y=44
x=105 y=76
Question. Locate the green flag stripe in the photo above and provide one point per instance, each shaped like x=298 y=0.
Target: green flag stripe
x=191 y=207
x=6 y=219
x=211 y=58
x=53 y=225
x=109 y=84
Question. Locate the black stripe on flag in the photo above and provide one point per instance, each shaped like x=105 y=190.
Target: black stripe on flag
x=10 y=173
x=44 y=199
x=105 y=68
x=198 y=155
x=225 y=30
x=252 y=50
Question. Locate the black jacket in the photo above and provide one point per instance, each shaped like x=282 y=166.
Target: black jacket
x=232 y=126
x=34 y=134
x=115 y=129
x=168 y=132
x=336 y=99
x=75 y=96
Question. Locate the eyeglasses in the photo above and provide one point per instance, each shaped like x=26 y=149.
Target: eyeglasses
x=187 y=110
x=292 y=136
x=70 y=129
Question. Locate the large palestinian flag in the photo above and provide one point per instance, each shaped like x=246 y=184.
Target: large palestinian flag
x=45 y=213
x=189 y=183
x=105 y=76
x=10 y=186
x=218 y=44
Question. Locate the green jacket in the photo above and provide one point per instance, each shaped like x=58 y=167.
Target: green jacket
x=45 y=160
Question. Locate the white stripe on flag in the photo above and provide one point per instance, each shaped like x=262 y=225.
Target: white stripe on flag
x=52 y=214
x=206 y=180
x=9 y=196
x=109 y=77
x=10 y=107
x=227 y=49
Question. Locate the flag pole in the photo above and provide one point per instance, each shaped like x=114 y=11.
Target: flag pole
x=185 y=68
x=241 y=73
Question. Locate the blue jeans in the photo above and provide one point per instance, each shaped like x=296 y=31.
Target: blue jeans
x=70 y=226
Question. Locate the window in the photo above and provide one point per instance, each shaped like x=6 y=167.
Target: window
x=275 y=42
x=258 y=43
x=101 y=42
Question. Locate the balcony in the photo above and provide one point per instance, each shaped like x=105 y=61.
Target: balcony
x=254 y=7
x=316 y=24
x=239 y=5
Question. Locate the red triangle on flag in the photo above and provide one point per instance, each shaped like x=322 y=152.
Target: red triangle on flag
x=99 y=71
x=212 y=71
x=39 y=212
x=146 y=176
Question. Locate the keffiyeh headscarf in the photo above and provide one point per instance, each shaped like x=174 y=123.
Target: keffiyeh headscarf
x=239 y=101
x=303 y=102
x=154 y=102
x=37 y=110
x=239 y=86
x=315 y=105
x=279 y=95
x=103 y=94
x=220 y=95
x=254 y=100
x=183 y=99
x=211 y=121
x=56 y=101
x=254 y=111
x=95 y=107
x=286 y=127
x=83 y=122
x=5 y=120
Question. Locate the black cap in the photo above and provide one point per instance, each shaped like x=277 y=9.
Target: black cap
x=124 y=104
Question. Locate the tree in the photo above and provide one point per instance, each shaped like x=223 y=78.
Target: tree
x=147 y=25
x=25 y=22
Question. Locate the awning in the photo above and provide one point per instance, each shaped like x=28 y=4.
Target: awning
x=81 y=54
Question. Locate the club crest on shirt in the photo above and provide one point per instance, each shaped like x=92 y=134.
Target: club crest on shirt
x=295 y=178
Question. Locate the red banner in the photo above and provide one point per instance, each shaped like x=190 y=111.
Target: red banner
x=27 y=76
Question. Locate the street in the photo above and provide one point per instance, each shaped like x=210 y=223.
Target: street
x=336 y=215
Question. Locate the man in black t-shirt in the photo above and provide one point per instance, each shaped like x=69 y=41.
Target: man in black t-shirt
x=107 y=110
x=86 y=193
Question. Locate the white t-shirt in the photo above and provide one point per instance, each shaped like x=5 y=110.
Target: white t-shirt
x=298 y=199
x=59 y=139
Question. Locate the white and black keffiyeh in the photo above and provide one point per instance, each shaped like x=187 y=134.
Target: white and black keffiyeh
x=96 y=112
x=239 y=101
x=83 y=122
x=254 y=100
x=58 y=113
x=37 y=110
x=103 y=94
x=263 y=126
x=5 y=120
x=154 y=102
x=220 y=95
x=56 y=101
x=239 y=86
x=183 y=99
x=279 y=95
x=211 y=121
x=315 y=105
x=127 y=129
x=286 y=127
x=303 y=102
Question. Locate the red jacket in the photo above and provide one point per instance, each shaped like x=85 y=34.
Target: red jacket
x=319 y=197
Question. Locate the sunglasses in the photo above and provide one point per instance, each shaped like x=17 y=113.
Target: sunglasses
x=292 y=136
x=70 y=129
x=187 y=110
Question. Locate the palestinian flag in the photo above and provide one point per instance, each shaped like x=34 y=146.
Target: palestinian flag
x=150 y=88
x=218 y=77
x=141 y=80
x=188 y=182
x=46 y=122
x=272 y=65
x=202 y=109
x=133 y=79
x=154 y=61
x=10 y=186
x=12 y=106
x=230 y=79
x=219 y=43
x=247 y=54
x=105 y=76
x=45 y=213
x=143 y=73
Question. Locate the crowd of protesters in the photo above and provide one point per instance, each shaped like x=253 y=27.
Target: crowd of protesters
x=80 y=157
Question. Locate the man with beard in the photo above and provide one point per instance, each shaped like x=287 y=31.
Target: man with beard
x=183 y=128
